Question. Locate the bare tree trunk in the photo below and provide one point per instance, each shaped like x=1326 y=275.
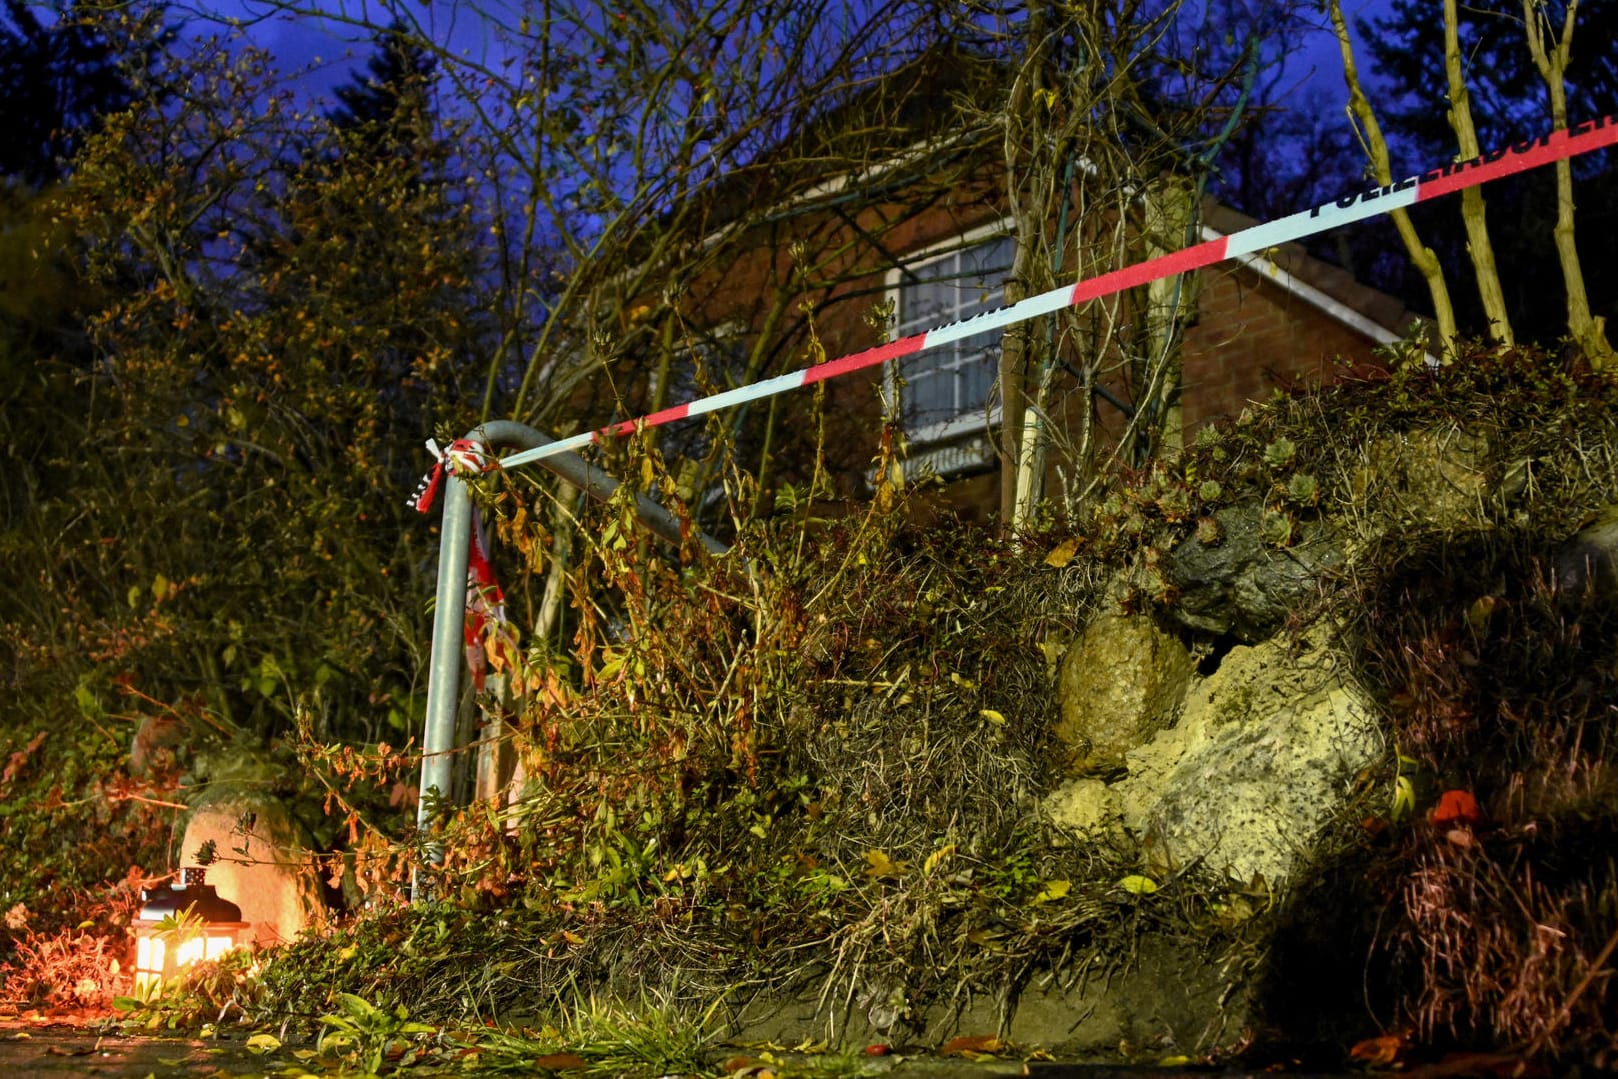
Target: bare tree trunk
x=1014 y=350
x=1588 y=331
x=550 y=605
x=1027 y=212
x=1472 y=206
x=1168 y=212
x=1376 y=149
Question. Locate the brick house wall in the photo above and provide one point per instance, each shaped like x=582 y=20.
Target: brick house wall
x=1283 y=322
x=1292 y=322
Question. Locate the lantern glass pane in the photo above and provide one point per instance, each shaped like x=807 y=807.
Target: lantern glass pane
x=190 y=950
x=151 y=952
x=148 y=955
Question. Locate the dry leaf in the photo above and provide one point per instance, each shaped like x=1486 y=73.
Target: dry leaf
x=1378 y=1052
x=1054 y=889
x=1478 y=615
x=879 y=865
x=561 y=1061
x=973 y=1047
x=263 y=1043
x=1063 y=553
x=1456 y=806
x=1135 y=884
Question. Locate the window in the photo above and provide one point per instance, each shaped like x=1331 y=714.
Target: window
x=946 y=389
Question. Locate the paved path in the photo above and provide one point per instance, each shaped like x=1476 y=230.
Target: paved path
x=43 y=1049
x=30 y=1049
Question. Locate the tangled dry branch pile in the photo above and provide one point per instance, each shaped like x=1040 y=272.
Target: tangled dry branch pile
x=815 y=763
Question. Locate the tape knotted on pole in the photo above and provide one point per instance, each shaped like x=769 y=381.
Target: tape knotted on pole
x=465 y=456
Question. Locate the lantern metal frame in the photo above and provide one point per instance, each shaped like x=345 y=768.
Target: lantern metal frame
x=182 y=924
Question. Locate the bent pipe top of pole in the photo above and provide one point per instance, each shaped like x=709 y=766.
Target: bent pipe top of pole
x=506 y=434
x=444 y=666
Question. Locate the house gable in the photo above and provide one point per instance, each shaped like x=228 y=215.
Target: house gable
x=1279 y=320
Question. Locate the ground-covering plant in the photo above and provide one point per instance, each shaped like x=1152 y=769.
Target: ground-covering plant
x=813 y=761
x=816 y=760
x=74 y=831
x=813 y=765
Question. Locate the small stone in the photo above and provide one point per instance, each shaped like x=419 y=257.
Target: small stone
x=1086 y=807
x=261 y=861
x=1234 y=578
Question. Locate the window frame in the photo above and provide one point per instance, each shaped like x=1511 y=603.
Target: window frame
x=977 y=419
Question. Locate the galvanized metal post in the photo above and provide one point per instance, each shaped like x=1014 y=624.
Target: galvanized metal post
x=444 y=664
x=455 y=540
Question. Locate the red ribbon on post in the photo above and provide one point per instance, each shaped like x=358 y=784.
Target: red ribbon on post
x=487 y=633
x=466 y=456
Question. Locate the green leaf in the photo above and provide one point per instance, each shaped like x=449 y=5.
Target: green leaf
x=263 y=1043
x=1054 y=889
x=358 y=1006
x=85 y=698
x=1404 y=798
x=1135 y=884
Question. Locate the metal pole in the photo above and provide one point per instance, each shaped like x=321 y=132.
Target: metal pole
x=505 y=434
x=455 y=540
x=444 y=666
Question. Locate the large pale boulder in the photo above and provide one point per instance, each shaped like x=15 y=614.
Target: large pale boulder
x=1263 y=756
x=1121 y=682
x=257 y=857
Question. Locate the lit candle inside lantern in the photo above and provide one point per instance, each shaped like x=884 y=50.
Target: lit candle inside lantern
x=182 y=924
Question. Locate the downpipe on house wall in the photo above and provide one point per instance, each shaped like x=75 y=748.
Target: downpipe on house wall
x=455 y=539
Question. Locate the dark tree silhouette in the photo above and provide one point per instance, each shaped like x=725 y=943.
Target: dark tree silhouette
x=392 y=87
x=59 y=74
x=1406 y=48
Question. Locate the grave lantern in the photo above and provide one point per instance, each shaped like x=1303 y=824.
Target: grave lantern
x=181 y=924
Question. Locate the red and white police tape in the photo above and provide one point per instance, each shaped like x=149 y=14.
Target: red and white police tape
x=1519 y=157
